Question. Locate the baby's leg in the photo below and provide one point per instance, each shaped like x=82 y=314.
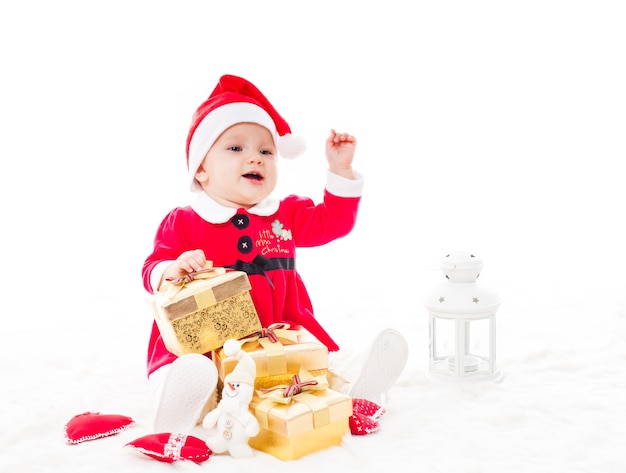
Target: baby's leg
x=182 y=391
x=372 y=376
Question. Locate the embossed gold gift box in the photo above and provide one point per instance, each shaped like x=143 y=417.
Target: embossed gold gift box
x=312 y=421
x=277 y=361
x=199 y=314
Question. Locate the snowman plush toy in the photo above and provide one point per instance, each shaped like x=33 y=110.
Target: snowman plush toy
x=231 y=424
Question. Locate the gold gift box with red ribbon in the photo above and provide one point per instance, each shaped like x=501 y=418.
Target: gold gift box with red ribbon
x=198 y=312
x=279 y=351
x=309 y=419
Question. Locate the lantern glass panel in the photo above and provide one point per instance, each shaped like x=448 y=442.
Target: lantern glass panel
x=442 y=339
x=478 y=338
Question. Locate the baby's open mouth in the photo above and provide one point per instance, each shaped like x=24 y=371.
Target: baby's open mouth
x=254 y=176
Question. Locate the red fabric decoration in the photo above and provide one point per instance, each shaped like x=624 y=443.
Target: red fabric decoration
x=364 y=417
x=367 y=408
x=169 y=448
x=363 y=425
x=93 y=425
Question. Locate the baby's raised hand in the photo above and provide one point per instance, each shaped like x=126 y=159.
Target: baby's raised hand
x=340 y=149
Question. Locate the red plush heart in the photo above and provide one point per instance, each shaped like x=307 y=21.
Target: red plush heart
x=363 y=425
x=169 y=448
x=93 y=425
x=367 y=408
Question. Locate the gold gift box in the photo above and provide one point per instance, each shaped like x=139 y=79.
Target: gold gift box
x=200 y=315
x=277 y=362
x=312 y=421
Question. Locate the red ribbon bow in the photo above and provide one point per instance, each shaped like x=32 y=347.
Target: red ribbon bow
x=187 y=278
x=268 y=332
x=296 y=386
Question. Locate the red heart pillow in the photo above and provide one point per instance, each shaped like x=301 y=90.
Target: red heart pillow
x=363 y=425
x=93 y=425
x=367 y=408
x=169 y=448
x=364 y=418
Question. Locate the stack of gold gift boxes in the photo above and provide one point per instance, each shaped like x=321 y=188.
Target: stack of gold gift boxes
x=298 y=413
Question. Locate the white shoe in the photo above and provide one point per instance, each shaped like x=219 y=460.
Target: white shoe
x=382 y=368
x=187 y=386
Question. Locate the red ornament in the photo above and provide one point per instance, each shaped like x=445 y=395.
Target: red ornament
x=367 y=408
x=93 y=425
x=364 y=417
x=169 y=448
x=363 y=425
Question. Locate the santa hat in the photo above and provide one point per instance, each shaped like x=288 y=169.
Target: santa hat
x=245 y=370
x=235 y=100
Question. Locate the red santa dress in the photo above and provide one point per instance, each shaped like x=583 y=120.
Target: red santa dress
x=261 y=241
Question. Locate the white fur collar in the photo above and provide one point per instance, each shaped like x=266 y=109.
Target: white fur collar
x=213 y=212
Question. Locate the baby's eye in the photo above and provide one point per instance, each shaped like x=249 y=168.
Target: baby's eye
x=266 y=152
x=235 y=148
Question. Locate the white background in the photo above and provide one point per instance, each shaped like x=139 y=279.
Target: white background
x=492 y=126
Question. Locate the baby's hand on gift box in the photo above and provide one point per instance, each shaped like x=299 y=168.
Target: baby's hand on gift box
x=188 y=262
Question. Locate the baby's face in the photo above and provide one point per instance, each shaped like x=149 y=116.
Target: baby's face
x=240 y=169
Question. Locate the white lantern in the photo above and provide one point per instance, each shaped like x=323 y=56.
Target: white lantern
x=462 y=322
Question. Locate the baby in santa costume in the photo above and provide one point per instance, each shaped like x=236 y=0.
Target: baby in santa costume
x=235 y=139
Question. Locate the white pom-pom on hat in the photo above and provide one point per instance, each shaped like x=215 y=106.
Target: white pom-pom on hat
x=290 y=146
x=232 y=348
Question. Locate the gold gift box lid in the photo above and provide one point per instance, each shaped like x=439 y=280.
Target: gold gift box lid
x=301 y=415
x=294 y=350
x=176 y=302
x=199 y=315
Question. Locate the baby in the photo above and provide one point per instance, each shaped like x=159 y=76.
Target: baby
x=235 y=139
